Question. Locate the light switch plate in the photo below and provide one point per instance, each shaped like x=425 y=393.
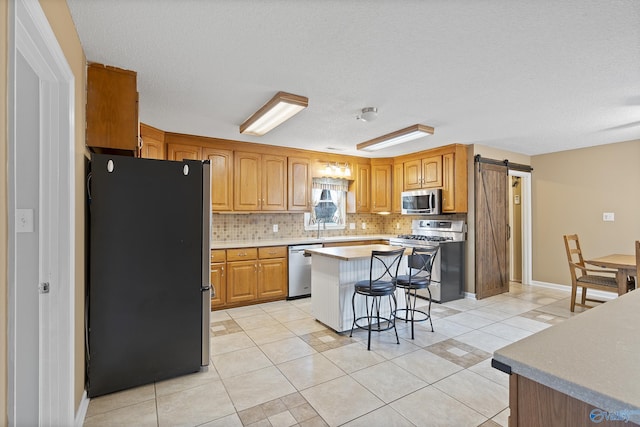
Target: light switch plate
x=352 y=226
x=364 y=225
x=24 y=220
x=275 y=228
x=608 y=216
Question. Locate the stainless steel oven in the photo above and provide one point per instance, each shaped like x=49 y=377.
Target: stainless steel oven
x=448 y=273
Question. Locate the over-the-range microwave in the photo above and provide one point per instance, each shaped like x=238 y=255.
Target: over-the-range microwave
x=422 y=202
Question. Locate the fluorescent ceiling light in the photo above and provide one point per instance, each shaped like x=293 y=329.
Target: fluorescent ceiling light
x=280 y=108
x=397 y=137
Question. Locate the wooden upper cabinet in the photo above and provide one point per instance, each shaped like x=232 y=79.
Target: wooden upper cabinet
x=397 y=188
x=152 y=144
x=363 y=187
x=299 y=182
x=445 y=168
x=381 y=189
x=247 y=177
x=413 y=174
x=448 y=181
x=274 y=183
x=454 y=180
x=112 y=109
x=423 y=173
x=260 y=182
x=432 y=172
x=181 y=152
x=221 y=178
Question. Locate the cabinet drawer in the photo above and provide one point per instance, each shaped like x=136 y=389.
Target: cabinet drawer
x=272 y=252
x=218 y=255
x=242 y=254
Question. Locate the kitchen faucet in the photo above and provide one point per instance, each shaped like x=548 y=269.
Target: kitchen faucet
x=325 y=225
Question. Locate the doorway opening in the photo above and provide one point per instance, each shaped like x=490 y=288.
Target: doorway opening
x=41 y=222
x=520 y=227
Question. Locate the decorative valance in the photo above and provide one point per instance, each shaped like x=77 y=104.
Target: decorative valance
x=334 y=184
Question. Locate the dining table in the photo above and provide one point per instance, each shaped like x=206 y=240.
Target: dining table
x=625 y=265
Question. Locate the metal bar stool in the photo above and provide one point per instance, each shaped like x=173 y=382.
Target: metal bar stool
x=420 y=263
x=383 y=271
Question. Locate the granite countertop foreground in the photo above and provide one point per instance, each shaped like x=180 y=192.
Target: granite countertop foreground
x=295 y=241
x=593 y=357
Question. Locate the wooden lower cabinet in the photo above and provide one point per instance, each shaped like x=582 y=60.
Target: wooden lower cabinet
x=242 y=281
x=532 y=404
x=218 y=285
x=272 y=278
x=218 y=279
x=249 y=276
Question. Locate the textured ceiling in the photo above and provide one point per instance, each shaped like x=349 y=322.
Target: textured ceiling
x=525 y=76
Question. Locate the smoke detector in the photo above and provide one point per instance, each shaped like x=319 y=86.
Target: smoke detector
x=368 y=114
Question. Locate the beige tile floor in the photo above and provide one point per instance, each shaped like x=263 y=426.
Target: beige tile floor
x=274 y=365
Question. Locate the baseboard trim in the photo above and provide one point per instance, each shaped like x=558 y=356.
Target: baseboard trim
x=592 y=292
x=470 y=295
x=82 y=410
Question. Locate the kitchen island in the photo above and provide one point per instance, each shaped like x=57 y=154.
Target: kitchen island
x=582 y=371
x=333 y=274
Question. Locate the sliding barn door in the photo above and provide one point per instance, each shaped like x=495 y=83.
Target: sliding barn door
x=491 y=225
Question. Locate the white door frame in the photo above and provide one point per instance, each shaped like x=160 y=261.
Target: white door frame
x=525 y=201
x=31 y=36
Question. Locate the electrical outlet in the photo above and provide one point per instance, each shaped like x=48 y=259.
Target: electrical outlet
x=364 y=225
x=608 y=216
x=352 y=226
x=397 y=226
x=275 y=228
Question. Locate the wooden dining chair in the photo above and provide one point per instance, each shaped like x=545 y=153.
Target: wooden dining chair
x=593 y=278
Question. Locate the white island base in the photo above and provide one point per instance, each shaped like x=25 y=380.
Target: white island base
x=334 y=272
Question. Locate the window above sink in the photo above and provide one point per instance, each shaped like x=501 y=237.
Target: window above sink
x=329 y=205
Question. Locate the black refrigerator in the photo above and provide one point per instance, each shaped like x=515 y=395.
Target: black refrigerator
x=148 y=291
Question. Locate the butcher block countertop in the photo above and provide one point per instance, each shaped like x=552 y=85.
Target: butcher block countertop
x=229 y=244
x=593 y=357
x=348 y=253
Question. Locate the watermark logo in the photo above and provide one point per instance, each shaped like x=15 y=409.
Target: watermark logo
x=599 y=415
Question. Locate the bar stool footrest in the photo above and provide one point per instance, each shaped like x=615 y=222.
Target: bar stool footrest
x=375 y=325
x=421 y=316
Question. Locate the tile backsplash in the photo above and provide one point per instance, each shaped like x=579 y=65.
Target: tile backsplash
x=228 y=227
x=259 y=226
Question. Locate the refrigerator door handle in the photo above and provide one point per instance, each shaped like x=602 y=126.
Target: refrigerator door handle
x=206 y=258
x=206 y=310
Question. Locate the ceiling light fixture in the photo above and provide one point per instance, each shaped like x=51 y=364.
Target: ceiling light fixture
x=397 y=137
x=368 y=114
x=280 y=108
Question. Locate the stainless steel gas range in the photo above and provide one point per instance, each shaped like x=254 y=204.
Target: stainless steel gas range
x=447 y=276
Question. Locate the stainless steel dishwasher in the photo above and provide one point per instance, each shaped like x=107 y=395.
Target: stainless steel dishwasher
x=300 y=271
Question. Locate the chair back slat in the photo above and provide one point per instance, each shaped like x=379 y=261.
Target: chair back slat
x=389 y=261
x=421 y=261
x=589 y=277
x=574 y=254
